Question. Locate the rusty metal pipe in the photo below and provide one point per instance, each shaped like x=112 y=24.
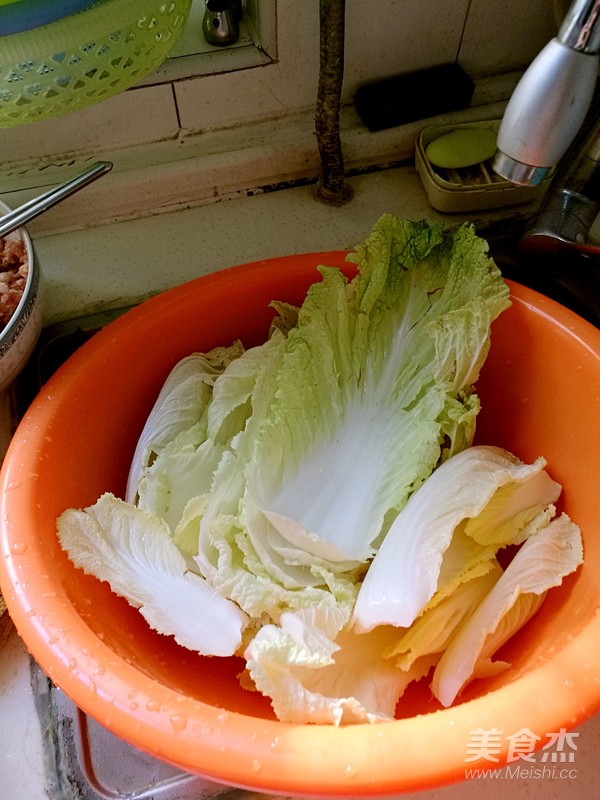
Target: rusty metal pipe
x=332 y=187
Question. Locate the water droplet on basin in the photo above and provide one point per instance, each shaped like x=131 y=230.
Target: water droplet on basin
x=72 y=663
x=569 y=683
x=178 y=721
x=256 y=765
x=134 y=706
x=153 y=705
x=18 y=548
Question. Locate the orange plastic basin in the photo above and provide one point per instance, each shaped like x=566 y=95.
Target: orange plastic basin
x=540 y=391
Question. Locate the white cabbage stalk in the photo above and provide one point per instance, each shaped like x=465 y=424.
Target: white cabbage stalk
x=433 y=629
x=133 y=550
x=494 y=492
x=540 y=564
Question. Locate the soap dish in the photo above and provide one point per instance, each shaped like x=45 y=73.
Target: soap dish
x=474 y=188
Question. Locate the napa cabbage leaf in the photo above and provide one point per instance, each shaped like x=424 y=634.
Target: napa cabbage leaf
x=541 y=563
x=494 y=496
x=315 y=503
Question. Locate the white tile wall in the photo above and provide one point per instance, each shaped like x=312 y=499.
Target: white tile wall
x=506 y=34
x=126 y=120
x=387 y=38
x=383 y=37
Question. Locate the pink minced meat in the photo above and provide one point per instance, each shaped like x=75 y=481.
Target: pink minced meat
x=14 y=268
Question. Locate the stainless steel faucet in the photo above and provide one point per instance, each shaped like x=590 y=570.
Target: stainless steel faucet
x=551 y=100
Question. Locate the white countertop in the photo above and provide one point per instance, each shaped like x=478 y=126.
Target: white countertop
x=113 y=265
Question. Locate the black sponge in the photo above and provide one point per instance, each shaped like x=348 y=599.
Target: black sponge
x=413 y=96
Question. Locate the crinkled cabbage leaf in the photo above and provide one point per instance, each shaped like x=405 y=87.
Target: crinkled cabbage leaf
x=314 y=503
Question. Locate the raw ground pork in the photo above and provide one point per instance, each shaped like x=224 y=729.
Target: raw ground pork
x=13 y=277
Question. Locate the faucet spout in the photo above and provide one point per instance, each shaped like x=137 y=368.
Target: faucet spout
x=551 y=100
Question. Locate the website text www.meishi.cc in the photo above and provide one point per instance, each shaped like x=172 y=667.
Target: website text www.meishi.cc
x=528 y=755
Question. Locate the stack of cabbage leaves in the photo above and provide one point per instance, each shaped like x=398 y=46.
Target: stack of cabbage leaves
x=316 y=505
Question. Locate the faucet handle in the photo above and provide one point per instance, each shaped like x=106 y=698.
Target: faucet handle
x=550 y=103
x=545 y=113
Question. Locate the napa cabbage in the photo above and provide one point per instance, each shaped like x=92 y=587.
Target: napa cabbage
x=315 y=503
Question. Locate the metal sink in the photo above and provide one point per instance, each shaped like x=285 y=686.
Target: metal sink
x=568 y=274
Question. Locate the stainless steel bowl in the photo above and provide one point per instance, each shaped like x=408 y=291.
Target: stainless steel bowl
x=19 y=336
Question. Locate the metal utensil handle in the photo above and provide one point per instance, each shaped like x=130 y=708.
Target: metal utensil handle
x=19 y=216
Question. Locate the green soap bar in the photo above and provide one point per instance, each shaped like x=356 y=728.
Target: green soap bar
x=462 y=148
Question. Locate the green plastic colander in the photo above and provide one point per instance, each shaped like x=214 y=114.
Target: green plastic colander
x=86 y=57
